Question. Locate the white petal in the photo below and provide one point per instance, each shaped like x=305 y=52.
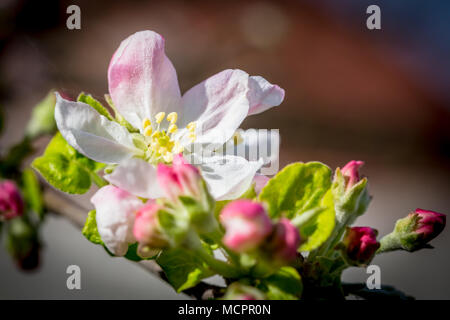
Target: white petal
x=142 y=80
x=137 y=177
x=263 y=95
x=228 y=177
x=218 y=105
x=255 y=144
x=92 y=134
x=115 y=212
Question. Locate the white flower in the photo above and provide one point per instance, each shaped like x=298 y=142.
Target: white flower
x=144 y=88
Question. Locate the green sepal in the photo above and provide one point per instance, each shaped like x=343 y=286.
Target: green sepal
x=118 y=117
x=350 y=203
x=89 y=100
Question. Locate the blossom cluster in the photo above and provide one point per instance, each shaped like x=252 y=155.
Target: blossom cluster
x=161 y=198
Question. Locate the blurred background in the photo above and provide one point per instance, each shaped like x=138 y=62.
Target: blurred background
x=382 y=96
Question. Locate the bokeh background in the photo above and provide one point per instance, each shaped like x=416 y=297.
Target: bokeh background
x=382 y=96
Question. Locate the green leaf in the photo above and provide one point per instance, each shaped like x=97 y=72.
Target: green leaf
x=32 y=193
x=64 y=174
x=317 y=230
x=285 y=284
x=183 y=268
x=132 y=253
x=88 y=99
x=297 y=188
x=65 y=168
x=90 y=230
x=43 y=117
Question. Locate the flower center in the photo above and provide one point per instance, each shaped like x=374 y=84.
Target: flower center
x=161 y=144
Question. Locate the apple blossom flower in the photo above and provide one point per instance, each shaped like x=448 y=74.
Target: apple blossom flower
x=360 y=245
x=146 y=229
x=246 y=223
x=11 y=202
x=351 y=173
x=144 y=89
x=284 y=241
x=414 y=231
x=115 y=215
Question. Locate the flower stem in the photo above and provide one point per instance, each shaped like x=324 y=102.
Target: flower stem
x=222 y=268
x=388 y=243
x=99 y=181
x=217 y=236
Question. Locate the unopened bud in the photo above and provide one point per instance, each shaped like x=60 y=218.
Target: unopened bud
x=246 y=223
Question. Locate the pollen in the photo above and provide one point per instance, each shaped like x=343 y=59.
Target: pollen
x=172 y=117
x=160 y=117
x=172 y=128
x=146 y=123
x=191 y=126
x=148 y=131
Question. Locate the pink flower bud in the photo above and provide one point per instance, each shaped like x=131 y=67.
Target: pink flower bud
x=430 y=224
x=181 y=178
x=285 y=241
x=168 y=181
x=360 y=245
x=11 y=203
x=146 y=227
x=188 y=175
x=351 y=173
x=246 y=223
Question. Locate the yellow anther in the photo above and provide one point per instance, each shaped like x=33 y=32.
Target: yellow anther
x=168 y=157
x=160 y=117
x=192 y=136
x=172 y=117
x=146 y=123
x=148 y=131
x=191 y=126
x=156 y=134
x=173 y=128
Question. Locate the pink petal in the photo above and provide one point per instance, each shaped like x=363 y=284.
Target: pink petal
x=263 y=95
x=142 y=80
x=219 y=105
